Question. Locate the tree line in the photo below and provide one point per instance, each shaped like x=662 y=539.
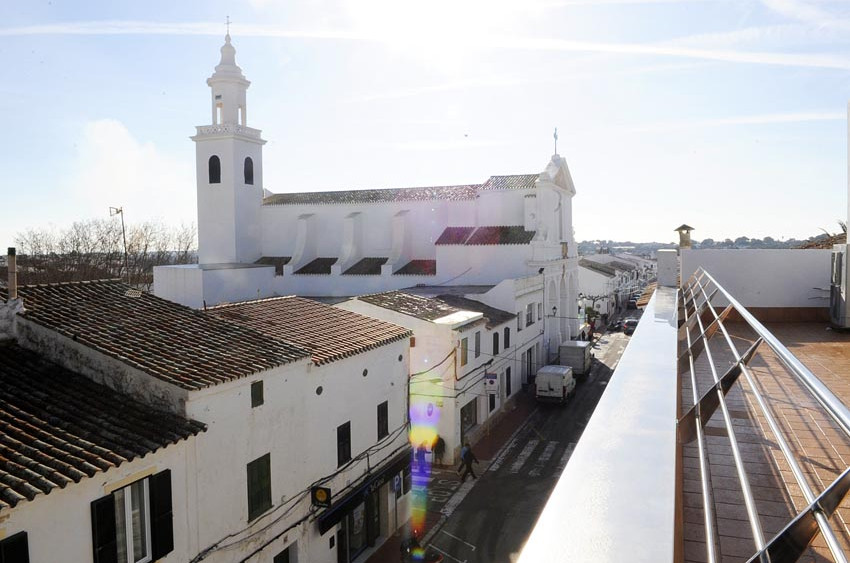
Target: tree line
x=94 y=249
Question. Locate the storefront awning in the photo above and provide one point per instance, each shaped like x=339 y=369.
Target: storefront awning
x=330 y=517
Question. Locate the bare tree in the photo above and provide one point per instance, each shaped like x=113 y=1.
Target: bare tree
x=94 y=249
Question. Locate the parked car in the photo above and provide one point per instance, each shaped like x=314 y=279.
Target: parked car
x=629 y=325
x=614 y=326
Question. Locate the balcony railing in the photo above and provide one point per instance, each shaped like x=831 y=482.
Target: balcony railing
x=227 y=129
x=699 y=322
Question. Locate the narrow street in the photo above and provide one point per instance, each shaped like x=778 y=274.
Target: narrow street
x=494 y=516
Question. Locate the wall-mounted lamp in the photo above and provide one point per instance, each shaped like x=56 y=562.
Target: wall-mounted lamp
x=554 y=310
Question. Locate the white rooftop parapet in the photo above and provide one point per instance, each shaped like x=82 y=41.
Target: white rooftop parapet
x=616 y=498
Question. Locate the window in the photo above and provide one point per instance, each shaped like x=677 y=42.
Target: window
x=383 y=420
x=259 y=486
x=15 y=549
x=343 y=444
x=519 y=321
x=507 y=382
x=529 y=314
x=507 y=337
x=540 y=311
x=249 y=171
x=468 y=418
x=284 y=556
x=134 y=523
x=496 y=343
x=492 y=398
x=464 y=345
x=256 y=394
x=215 y=170
x=478 y=344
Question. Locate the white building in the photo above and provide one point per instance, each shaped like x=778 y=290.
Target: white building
x=246 y=407
x=607 y=281
x=470 y=354
x=253 y=243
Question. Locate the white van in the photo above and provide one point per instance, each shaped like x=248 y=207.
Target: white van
x=555 y=384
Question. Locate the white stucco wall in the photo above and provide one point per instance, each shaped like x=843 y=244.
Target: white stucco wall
x=765 y=278
x=59 y=526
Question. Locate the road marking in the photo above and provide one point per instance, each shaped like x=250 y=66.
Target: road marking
x=544 y=457
x=458 y=539
x=497 y=463
x=565 y=457
x=523 y=456
x=446 y=554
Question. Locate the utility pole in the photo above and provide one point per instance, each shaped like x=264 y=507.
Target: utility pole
x=113 y=211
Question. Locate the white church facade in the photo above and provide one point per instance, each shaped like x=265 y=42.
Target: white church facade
x=254 y=243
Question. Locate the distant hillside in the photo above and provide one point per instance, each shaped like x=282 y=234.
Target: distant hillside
x=649 y=248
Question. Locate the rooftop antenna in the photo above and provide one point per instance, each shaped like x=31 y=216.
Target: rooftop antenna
x=113 y=211
x=556 y=140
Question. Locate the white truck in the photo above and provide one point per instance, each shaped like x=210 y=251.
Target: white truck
x=576 y=354
x=555 y=384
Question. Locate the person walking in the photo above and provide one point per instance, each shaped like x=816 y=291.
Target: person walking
x=467 y=458
x=420 y=457
x=438 y=449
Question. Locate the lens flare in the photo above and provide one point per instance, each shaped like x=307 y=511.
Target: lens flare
x=424 y=419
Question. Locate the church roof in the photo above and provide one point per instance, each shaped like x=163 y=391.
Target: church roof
x=329 y=333
x=488 y=235
x=168 y=341
x=60 y=427
x=450 y=193
x=418 y=268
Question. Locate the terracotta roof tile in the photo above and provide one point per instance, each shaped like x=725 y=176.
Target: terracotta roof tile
x=418 y=268
x=603 y=269
x=493 y=316
x=163 y=339
x=58 y=427
x=455 y=235
x=453 y=193
x=500 y=235
x=328 y=332
x=366 y=267
x=514 y=182
x=320 y=266
x=424 y=308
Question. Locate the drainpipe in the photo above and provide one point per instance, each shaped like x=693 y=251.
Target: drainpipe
x=13 y=274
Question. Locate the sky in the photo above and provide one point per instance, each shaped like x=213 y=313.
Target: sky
x=727 y=115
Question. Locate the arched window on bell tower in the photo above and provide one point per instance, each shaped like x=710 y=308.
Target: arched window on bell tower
x=215 y=170
x=249 y=171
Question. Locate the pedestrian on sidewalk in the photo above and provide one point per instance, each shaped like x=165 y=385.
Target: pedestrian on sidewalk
x=438 y=449
x=467 y=458
x=420 y=456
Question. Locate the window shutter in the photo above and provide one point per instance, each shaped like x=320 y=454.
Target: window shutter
x=103 y=530
x=162 y=527
x=14 y=549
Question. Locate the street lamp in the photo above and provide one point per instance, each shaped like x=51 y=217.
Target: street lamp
x=554 y=310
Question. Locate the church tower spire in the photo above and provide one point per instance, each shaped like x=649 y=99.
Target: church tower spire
x=229 y=168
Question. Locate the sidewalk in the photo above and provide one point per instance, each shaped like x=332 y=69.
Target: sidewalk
x=486 y=449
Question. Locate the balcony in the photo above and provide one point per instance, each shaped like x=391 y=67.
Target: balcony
x=758 y=470
x=227 y=129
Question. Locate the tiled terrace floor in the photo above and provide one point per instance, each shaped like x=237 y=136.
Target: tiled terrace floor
x=820 y=447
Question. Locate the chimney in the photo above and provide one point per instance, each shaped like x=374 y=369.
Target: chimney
x=12 y=263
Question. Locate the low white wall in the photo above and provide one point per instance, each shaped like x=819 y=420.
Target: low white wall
x=765 y=278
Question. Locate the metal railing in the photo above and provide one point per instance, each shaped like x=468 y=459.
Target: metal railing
x=699 y=322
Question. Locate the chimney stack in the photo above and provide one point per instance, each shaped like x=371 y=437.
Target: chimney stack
x=12 y=263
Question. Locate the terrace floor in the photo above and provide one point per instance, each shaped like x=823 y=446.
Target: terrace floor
x=821 y=448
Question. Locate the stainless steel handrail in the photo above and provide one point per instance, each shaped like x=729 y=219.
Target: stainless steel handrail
x=818 y=509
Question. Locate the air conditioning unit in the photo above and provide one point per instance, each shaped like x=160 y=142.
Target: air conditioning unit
x=838 y=290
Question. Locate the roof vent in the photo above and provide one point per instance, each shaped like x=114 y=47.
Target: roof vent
x=132 y=293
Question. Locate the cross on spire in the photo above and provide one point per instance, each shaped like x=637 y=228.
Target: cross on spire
x=556 y=140
x=228 y=25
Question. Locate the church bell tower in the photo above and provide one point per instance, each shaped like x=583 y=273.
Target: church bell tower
x=229 y=169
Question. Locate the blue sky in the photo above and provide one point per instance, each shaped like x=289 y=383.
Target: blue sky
x=727 y=115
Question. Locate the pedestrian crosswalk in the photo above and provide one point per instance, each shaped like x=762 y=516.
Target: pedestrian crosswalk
x=533 y=458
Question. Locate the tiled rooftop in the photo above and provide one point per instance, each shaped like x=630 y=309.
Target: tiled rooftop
x=820 y=447
x=514 y=182
x=277 y=261
x=163 y=339
x=418 y=268
x=513 y=234
x=58 y=427
x=452 y=193
x=329 y=333
x=366 y=267
x=492 y=315
x=603 y=269
x=318 y=266
x=416 y=306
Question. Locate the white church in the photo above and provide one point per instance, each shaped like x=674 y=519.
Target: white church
x=255 y=244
